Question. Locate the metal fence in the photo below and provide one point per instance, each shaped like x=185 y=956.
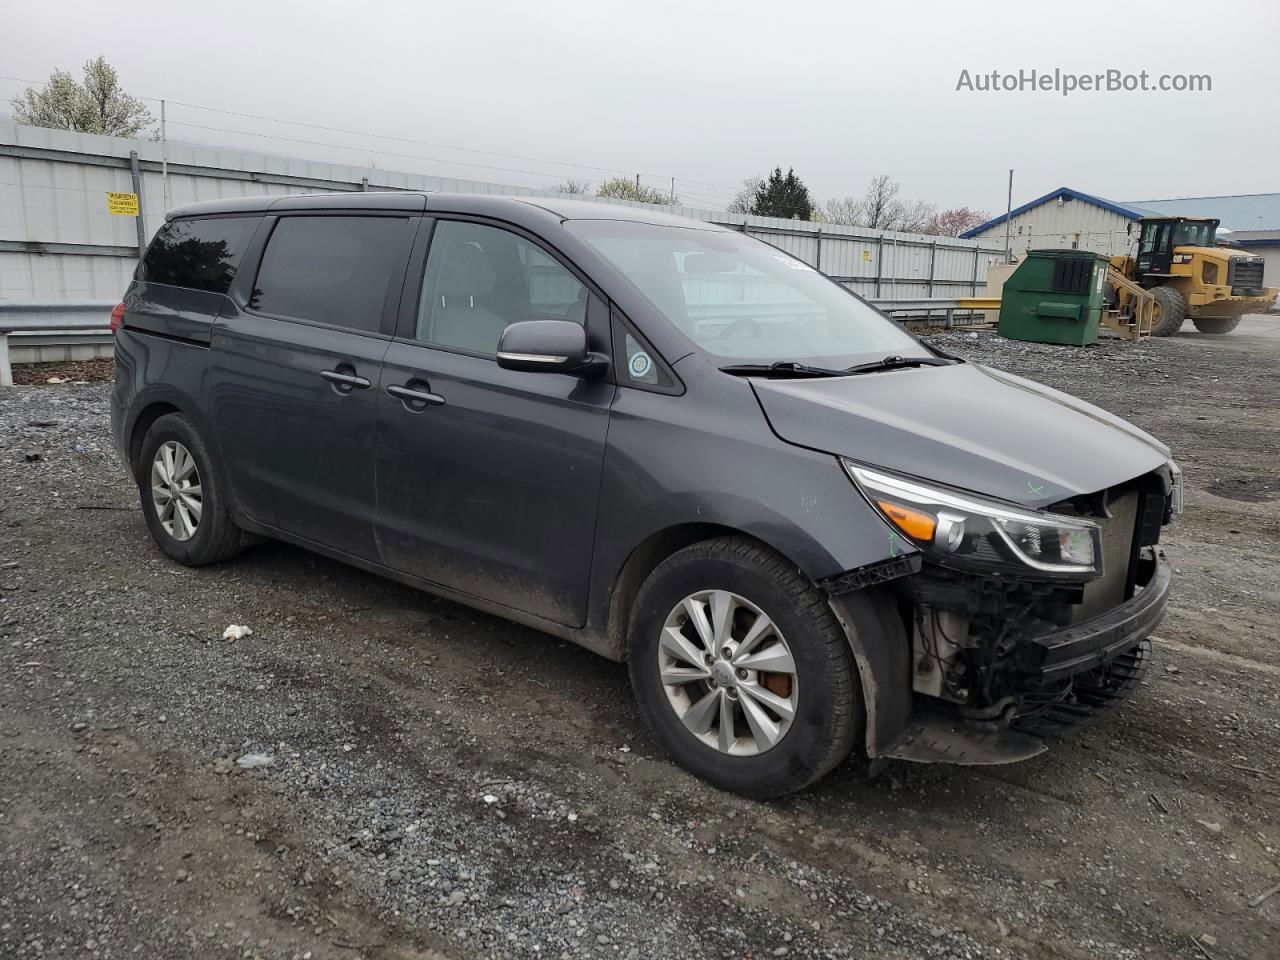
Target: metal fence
x=36 y=331
x=58 y=240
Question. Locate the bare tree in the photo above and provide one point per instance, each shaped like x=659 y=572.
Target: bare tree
x=845 y=210
x=881 y=207
x=96 y=105
x=918 y=216
x=575 y=186
x=744 y=201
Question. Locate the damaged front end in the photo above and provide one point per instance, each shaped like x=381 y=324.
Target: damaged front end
x=1017 y=624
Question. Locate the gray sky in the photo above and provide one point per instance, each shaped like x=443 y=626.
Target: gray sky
x=711 y=92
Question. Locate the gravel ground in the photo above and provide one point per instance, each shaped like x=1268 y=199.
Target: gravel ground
x=376 y=773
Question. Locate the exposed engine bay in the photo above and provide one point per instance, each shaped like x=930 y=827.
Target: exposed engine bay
x=1003 y=650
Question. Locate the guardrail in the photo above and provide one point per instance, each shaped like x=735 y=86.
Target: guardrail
x=930 y=305
x=76 y=318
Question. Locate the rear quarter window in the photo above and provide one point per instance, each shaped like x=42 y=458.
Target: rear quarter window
x=198 y=254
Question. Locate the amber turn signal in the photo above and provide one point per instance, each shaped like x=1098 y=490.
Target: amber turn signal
x=914 y=523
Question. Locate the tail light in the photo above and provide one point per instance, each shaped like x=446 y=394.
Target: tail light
x=117 y=318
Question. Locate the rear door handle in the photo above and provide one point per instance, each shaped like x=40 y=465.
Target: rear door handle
x=348 y=380
x=416 y=398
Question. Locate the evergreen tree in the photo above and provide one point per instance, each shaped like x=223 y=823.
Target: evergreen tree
x=783 y=196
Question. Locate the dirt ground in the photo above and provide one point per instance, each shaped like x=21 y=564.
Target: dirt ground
x=440 y=783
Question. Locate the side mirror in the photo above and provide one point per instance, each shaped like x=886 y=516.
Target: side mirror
x=549 y=346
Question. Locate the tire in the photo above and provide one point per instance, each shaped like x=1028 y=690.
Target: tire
x=1215 y=324
x=1173 y=310
x=215 y=536
x=822 y=689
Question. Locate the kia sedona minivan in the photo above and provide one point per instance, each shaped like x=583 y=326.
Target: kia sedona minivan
x=806 y=532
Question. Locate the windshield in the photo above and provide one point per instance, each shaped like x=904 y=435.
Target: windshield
x=1192 y=234
x=742 y=300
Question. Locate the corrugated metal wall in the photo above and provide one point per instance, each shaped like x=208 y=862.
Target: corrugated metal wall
x=1072 y=224
x=57 y=240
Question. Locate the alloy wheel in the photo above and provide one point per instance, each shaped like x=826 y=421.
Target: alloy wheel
x=175 y=490
x=728 y=673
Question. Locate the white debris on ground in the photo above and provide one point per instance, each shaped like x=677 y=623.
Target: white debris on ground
x=236 y=632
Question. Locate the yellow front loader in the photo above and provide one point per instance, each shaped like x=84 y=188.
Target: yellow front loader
x=1188 y=277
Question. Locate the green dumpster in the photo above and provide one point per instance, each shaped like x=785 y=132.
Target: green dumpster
x=1055 y=296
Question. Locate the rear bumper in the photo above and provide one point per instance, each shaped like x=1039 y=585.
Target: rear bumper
x=1094 y=643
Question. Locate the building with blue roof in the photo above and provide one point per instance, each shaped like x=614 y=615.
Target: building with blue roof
x=1074 y=219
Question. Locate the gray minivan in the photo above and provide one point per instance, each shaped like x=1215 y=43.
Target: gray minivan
x=805 y=530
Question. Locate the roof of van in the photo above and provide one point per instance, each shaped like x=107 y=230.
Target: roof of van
x=417 y=202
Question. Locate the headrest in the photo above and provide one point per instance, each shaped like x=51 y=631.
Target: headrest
x=467 y=273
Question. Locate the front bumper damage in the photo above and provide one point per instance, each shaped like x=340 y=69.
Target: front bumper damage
x=1012 y=681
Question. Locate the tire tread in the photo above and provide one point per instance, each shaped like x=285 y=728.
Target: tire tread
x=224 y=539
x=824 y=634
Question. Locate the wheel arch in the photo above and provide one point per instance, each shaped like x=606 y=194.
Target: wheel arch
x=874 y=619
x=141 y=424
x=644 y=558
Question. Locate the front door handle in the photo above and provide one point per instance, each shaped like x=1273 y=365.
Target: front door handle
x=348 y=380
x=416 y=399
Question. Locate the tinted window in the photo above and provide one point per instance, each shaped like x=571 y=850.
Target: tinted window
x=479 y=279
x=200 y=254
x=329 y=269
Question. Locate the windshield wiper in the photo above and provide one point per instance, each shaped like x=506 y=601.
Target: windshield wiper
x=784 y=368
x=895 y=363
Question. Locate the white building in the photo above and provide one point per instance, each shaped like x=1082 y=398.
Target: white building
x=1069 y=218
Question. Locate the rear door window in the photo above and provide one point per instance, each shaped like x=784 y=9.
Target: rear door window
x=333 y=270
x=198 y=254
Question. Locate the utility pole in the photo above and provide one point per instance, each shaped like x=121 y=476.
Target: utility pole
x=673 y=191
x=1008 y=215
x=164 y=160
x=637 y=184
x=139 y=220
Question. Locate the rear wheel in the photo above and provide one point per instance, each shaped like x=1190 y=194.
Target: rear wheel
x=1215 y=324
x=1172 y=310
x=184 y=500
x=742 y=670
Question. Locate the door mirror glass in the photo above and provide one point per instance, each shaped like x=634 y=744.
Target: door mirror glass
x=546 y=346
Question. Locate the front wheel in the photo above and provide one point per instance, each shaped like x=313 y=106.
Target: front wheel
x=1171 y=311
x=742 y=670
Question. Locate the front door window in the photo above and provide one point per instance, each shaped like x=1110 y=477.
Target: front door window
x=480 y=279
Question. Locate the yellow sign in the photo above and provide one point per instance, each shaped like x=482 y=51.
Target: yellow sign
x=866 y=254
x=125 y=204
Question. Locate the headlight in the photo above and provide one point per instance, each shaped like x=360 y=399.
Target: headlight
x=969 y=532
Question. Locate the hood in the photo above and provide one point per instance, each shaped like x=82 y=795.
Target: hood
x=966 y=426
x=1220 y=253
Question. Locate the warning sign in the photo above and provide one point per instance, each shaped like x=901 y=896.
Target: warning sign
x=866 y=254
x=125 y=204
